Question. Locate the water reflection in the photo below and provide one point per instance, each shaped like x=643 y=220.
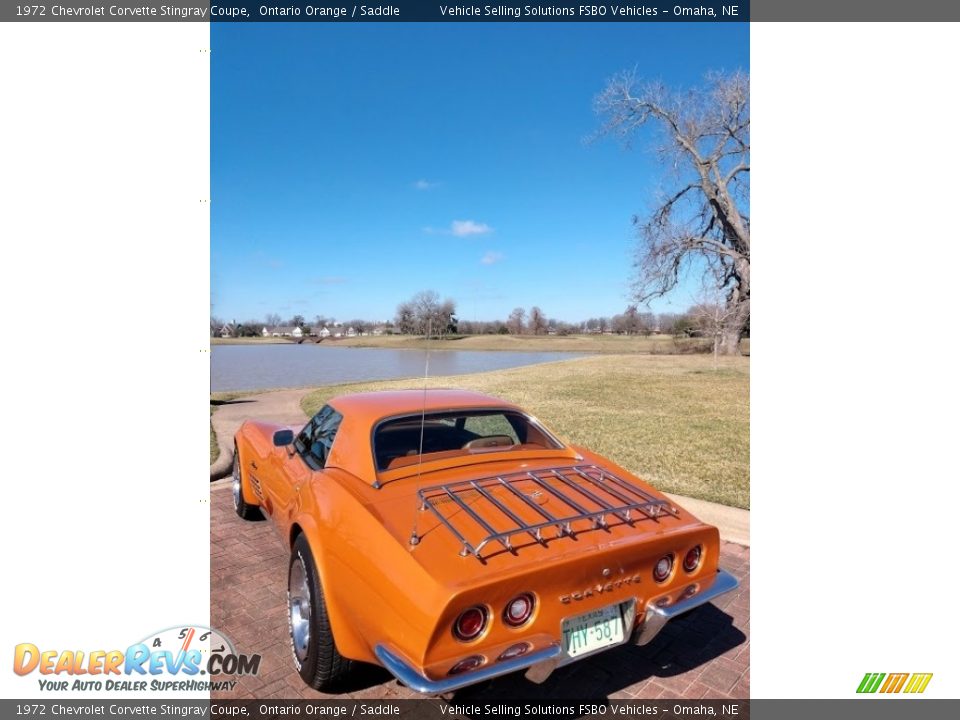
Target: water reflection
x=264 y=367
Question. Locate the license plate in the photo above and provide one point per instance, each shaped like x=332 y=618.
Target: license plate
x=593 y=631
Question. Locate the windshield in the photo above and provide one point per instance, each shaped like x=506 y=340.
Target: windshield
x=396 y=442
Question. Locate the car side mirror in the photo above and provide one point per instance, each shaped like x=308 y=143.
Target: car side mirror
x=282 y=438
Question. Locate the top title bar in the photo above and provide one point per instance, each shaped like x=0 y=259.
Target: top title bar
x=503 y=11
x=390 y=11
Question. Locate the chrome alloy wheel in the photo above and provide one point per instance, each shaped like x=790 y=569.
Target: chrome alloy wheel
x=236 y=481
x=298 y=606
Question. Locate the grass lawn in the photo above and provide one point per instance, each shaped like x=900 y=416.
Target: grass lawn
x=672 y=420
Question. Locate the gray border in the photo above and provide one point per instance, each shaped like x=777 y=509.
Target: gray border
x=854 y=11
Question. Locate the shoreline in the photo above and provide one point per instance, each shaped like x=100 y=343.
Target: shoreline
x=589 y=344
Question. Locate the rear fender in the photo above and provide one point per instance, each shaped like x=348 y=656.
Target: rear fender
x=375 y=587
x=350 y=642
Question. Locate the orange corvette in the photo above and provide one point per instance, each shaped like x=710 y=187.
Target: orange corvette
x=450 y=537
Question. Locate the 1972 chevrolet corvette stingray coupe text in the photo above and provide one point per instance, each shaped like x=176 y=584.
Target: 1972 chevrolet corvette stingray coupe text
x=450 y=537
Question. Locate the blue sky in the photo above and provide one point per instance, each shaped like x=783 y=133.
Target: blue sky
x=354 y=165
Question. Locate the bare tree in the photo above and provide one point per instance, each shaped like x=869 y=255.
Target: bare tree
x=248 y=328
x=702 y=222
x=665 y=322
x=646 y=322
x=405 y=319
x=711 y=316
x=273 y=320
x=425 y=313
x=448 y=316
x=515 y=322
x=538 y=321
x=632 y=322
x=426 y=306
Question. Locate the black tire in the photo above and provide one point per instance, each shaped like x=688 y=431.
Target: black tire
x=315 y=656
x=244 y=509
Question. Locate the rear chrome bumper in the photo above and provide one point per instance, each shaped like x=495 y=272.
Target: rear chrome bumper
x=541 y=663
x=667 y=607
x=545 y=660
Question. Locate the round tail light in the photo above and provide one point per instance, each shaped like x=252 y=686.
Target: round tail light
x=514 y=651
x=518 y=610
x=470 y=624
x=467 y=664
x=661 y=570
x=692 y=559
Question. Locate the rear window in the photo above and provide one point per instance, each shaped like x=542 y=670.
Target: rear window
x=397 y=442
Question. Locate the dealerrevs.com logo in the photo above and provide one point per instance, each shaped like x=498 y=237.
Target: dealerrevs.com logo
x=181 y=658
x=894 y=683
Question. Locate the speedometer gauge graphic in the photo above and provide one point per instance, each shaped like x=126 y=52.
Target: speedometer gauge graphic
x=184 y=641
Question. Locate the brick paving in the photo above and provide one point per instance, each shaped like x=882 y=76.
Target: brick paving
x=703 y=654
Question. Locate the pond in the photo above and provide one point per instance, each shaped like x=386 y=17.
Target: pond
x=266 y=367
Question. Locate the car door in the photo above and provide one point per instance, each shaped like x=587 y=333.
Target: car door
x=299 y=463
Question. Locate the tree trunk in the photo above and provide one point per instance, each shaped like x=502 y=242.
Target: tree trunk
x=730 y=341
x=734 y=327
x=739 y=302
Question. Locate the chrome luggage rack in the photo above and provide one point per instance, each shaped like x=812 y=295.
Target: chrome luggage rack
x=589 y=492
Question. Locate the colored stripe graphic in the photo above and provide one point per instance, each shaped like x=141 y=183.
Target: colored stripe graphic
x=918 y=682
x=895 y=682
x=870 y=682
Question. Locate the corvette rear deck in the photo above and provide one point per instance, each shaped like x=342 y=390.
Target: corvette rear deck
x=499 y=508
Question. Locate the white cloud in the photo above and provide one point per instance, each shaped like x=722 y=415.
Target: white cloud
x=425 y=185
x=491 y=257
x=464 y=228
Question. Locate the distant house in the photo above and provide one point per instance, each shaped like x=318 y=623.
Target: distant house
x=379 y=330
x=351 y=332
x=227 y=331
x=324 y=332
x=285 y=331
x=265 y=332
